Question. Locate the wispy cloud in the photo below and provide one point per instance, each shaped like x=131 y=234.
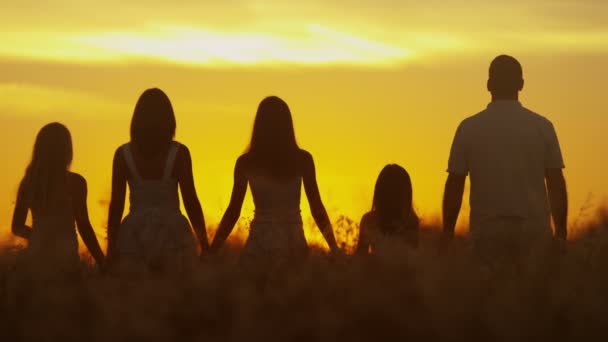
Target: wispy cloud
x=267 y=32
x=314 y=45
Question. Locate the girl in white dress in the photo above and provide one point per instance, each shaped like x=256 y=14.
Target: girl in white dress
x=392 y=220
x=274 y=167
x=155 y=234
x=57 y=198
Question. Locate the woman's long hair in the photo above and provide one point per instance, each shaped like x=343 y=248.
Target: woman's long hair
x=273 y=147
x=153 y=123
x=393 y=199
x=46 y=176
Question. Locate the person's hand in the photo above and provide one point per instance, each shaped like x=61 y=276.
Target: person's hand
x=337 y=252
x=102 y=265
x=211 y=251
x=110 y=254
x=204 y=256
x=444 y=242
x=561 y=245
x=205 y=250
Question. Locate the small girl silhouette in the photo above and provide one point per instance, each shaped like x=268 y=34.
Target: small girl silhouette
x=392 y=218
x=57 y=198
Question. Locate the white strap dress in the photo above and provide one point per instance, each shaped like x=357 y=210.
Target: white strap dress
x=154 y=231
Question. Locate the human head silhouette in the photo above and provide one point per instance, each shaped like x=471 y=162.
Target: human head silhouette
x=273 y=140
x=393 y=194
x=505 y=78
x=273 y=125
x=153 y=123
x=53 y=147
x=51 y=158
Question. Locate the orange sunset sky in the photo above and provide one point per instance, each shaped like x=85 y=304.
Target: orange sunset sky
x=369 y=82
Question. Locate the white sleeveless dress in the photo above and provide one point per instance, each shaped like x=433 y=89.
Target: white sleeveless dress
x=154 y=232
x=276 y=229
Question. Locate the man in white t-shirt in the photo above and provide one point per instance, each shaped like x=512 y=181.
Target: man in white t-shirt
x=509 y=153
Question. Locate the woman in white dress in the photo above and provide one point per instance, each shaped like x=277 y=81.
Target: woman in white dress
x=155 y=234
x=57 y=198
x=275 y=167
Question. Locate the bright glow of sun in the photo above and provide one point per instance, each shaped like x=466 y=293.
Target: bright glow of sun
x=313 y=44
x=318 y=45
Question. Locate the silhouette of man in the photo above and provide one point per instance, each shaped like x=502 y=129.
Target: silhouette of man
x=509 y=153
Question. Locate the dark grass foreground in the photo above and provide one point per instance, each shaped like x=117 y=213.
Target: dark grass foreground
x=430 y=293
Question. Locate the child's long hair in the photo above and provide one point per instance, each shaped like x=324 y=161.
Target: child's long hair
x=46 y=176
x=153 y=123
x=393 y=199
x=273 y=145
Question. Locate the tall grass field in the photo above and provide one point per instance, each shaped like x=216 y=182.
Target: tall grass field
x=437 y=292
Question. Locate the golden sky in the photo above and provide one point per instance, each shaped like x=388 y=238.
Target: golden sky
x=368 y=82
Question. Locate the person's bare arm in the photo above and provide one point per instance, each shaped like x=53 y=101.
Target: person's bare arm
x=364 y=239
x=190 y=198
x=452 y=201
x=233 y=212
x=558 y=199
x=81 y=213
x=317 y=208
x=117 y=203
x=18 y=227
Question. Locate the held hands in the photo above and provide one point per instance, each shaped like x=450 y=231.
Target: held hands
x=336 y=251
x=103 y=265
x=445 y=240
x=561 y=245
x=205 y=250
